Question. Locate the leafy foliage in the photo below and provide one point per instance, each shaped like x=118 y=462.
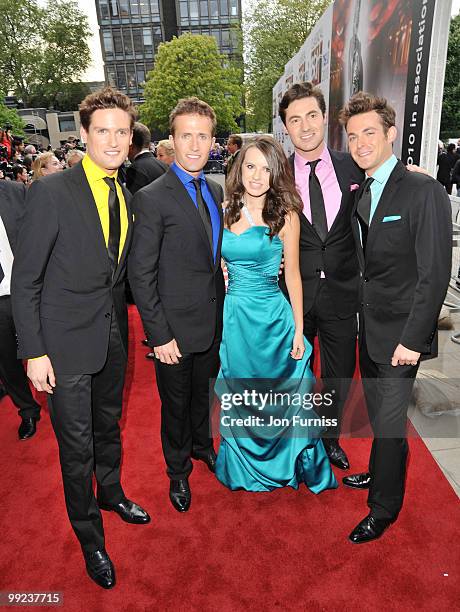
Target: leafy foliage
x=274 y=31
x=191 y=65
x=450 y=117
x=43 y=49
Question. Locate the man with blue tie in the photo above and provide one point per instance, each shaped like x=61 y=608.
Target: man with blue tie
x=403 y=231
x=177 y=282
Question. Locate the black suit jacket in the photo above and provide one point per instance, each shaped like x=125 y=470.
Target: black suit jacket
x=336 y=256
x=12 y=207
x=144 y=170
x=62 y=288
x=406 y=268
x=178 y=288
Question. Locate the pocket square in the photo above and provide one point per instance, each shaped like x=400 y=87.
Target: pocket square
x=354 y=187
x=391 y=218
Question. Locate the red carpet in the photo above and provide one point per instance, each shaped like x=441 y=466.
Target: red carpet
x=232 y=551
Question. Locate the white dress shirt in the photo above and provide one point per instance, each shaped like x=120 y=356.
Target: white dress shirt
x=6 y=260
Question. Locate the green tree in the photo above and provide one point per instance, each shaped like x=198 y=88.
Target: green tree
x=43 y=49
x=10 y=115
x=450 y=117
x=191 y=65
x=274 y=30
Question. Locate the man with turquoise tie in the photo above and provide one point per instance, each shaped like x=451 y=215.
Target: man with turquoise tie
x=402 y=226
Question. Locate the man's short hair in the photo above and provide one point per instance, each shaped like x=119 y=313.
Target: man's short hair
x=141 y=136
x=297 y=92
x=102 y=99
x=192 y=106
x=236 y=139
x=17 y=170
x=363 y=102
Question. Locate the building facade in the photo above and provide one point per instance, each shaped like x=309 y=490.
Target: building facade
x=131 y=31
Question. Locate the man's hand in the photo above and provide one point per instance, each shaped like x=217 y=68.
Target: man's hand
x=404 y=356
x=41 y=374
x=168 y=353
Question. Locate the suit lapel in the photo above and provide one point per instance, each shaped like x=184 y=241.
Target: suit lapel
x=355 y=229
x=383 y=205
x=345 y=180
x=84 y=200
x=215 y=192
x=180 y=194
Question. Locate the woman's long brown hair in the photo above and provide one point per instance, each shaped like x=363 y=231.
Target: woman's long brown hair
x=281 y=197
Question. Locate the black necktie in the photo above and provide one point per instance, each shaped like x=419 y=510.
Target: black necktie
x=363 y=209
x=2 y=274
x=318 y=211
x=204 y=211
x=113 y=246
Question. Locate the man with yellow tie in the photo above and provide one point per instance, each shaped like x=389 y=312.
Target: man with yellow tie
x=71 y=319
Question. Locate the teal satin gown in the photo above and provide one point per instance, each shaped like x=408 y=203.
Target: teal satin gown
x=257 y=455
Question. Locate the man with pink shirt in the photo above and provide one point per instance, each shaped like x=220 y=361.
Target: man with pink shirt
x=326 y=181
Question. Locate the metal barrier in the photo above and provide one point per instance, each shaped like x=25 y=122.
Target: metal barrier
x=452 y=300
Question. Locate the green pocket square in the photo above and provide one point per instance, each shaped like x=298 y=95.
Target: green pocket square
x=391 y=218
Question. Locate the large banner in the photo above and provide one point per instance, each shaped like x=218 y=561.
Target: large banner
x=391 y=49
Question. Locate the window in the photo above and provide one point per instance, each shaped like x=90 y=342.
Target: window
x=137 y=39
x=140 y=75
x=121 y=76
x=107 y=41
x=134 y=7
x=147 y=36
x=234 y=8
x=118 y=45
x=104 y=9
x=154 y=7
x=214 y=10
x=113 y=8
x=144 y=6
x=131 y=74
x=193 y=8
x=225 y=39
x=204 y=8
x=157 y=37
x=67 y=124
x=223 y=8
x=111 y=76
x=127 y=41
x=124 y=8
x=215 y=33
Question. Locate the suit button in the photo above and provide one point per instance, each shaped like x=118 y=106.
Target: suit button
x=323 y=248
x=213 y=299
x=318 y=270
x=366 y=279
x=107 y=315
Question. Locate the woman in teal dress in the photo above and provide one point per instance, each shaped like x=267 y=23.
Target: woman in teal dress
x=270 y=436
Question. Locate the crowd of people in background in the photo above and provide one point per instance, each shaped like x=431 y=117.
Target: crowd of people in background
x=449 y=166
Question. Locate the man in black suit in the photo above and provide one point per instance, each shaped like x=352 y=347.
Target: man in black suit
x=403 y=231
x=12 y=205
x=71 y=318
x=144 y=168
x=329 y=268
x=178 y=286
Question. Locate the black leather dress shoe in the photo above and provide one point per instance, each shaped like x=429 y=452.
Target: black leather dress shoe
x=358 y=481
x=180 y=494
x=336 y=453
x=370 y=528
x=128 y=511
x=27 y=428
x=150 y=355
x=100 y=568
x=209 y=458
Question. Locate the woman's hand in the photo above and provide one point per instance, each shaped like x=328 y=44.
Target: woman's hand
x=298 y=346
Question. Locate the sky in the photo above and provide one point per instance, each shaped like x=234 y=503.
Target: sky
x=96 y=71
